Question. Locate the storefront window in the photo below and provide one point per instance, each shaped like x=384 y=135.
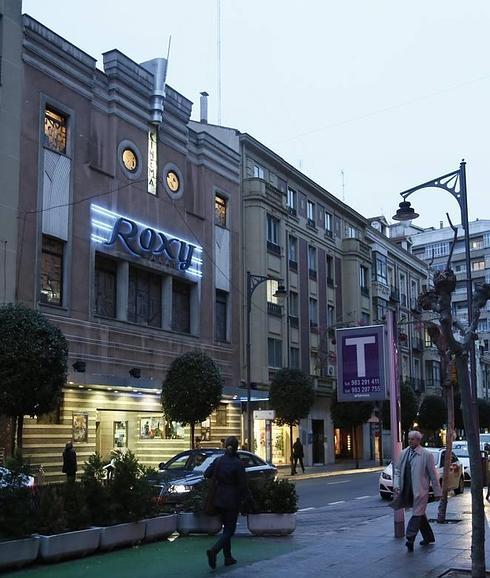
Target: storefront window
x=120 y=434
x=152 y=427
x=280 y=442
x=174 y=430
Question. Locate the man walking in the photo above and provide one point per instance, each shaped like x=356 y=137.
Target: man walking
x=298 y=454
x=69 y=462
x=412 y=476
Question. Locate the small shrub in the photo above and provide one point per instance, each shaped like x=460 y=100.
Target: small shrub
x=95 y=492
x=51 y=514
x=17 y=512
x=276 y=497
x=195 y=500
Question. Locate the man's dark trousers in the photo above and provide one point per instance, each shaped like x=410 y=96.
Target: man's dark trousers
x=421 y=523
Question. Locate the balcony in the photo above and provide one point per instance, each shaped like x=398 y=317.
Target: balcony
x=330 y=282
x=293 y=321
x=274 y=309
x=311 y=223
x=365 y=291
x=292 y=211
x=313 y=326
x=293 y=265
x=312 y=274
x=328 y=234
x=414 y=305
x=273 y=248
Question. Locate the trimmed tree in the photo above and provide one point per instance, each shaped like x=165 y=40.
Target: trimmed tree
x=432 y=413
x=192 y=389
x=408 y=408
x=351 y=414
x=291 y=395
x=33 y=356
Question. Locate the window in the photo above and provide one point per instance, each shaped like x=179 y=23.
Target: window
x=220 y=211
x=221 y=315
x=181 y=306
x=313 y=309
x=381 y=270
x=478 y=265
x=259 y=172
x=437 y=250
x=292 y=200
x=275 y=352
x=330 y=315
x=330 y=280
x=403 y=290
x=294 y=357
x=486 y=240
x=144 y=297
x=363 y=282
x=222 y=415
x=105 y=286
x=460 y=268
x=482 y=326
x=381 y=309
x=327 y=222
x=272 y=230
x=293 y=304
x=476 y=243
x=272 y=287
x=310 y=213
x=427 y=339
x=433 y=373
x=54 y=130
x=365 y=318
x=351 y=232
x=52 y=271
x=293 y=249
x=312 y=259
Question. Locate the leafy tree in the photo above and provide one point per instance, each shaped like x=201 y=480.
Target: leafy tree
x=433 y=413
x=192 y=389
x=291 y=395
x=33 y=355
x=351 y=414
x=483 y=412
x=408 y=409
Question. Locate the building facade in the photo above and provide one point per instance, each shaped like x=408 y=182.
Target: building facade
x=433 y=246
x=128 y=243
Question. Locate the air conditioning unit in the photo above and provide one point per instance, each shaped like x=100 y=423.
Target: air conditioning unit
x=331 y=370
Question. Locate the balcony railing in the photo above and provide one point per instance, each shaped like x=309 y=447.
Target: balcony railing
x=293 y=321
x=311 y=223
x=394 y=294
x=417 y=344
x=330 y=282
x=273 y=248
x=312 y=274
x=293 y=265
x=274 y=309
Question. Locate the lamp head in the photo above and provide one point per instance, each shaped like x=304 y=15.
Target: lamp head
x=281 y=292
x=405 y=212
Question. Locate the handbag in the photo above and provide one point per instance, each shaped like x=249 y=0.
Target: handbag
x=209 y=507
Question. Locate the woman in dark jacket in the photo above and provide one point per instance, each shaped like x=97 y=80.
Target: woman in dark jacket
x=231 y=489
x=70 y=462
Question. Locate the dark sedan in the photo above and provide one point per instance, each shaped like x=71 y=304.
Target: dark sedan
x=180 y=474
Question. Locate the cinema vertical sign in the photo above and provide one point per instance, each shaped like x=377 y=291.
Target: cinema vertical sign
x=362 y=354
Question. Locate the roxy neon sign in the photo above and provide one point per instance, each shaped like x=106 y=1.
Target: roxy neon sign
x=140 y=240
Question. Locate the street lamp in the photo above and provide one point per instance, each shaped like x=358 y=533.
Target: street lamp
x=455 y=184
x=253 y=281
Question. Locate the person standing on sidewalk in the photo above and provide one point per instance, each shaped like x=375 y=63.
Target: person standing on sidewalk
x=231 y=489
x=298 y=454
x=412 y=476
x=69 y=462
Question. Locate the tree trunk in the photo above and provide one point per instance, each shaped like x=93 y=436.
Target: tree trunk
x=193 y=425
x=291 y=447
x=354 y=445
x=470 y=420
x=20 y=429
x=448 y=390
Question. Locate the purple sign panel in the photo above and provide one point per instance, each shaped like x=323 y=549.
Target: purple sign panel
x=361 y=355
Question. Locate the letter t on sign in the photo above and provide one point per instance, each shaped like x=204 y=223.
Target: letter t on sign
x=360 y=343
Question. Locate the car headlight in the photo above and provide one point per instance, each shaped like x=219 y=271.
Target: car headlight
x=385 y=476
x=180 y=489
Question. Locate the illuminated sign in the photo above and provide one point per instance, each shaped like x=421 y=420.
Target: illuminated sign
x=140 y=240
x=152 y=161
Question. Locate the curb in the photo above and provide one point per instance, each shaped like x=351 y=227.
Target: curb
x=330 y=474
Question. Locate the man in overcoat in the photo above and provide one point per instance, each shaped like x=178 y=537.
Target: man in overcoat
x=413 y=474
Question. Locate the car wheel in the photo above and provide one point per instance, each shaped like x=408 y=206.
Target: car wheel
x=460 y=488
x=384 y=496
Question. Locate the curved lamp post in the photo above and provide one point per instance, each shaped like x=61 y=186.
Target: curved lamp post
x=455 y=184
x=253 y=281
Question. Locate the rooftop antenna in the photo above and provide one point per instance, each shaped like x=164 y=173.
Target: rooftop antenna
x=343 y=185
x=218 y=2
x=168 y=49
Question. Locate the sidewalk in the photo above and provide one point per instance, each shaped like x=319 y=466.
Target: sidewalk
x=340 y=467
x=370 y=550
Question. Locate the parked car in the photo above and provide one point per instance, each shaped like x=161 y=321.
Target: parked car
x=8 y=479
x=456 y=474
x=461 y=451
x=180 y=474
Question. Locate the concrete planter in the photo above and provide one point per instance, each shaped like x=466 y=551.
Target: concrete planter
x=271 y=524
x=190 y=523
x=16 y=553
x=69 y=544
x=122 y=535
x=160 y=527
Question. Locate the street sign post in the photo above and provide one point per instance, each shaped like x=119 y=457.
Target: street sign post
x=361 y=358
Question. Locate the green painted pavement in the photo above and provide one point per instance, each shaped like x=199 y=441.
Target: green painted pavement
x=182 y=558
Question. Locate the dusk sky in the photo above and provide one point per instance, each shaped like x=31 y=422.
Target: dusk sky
x=393 y=94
